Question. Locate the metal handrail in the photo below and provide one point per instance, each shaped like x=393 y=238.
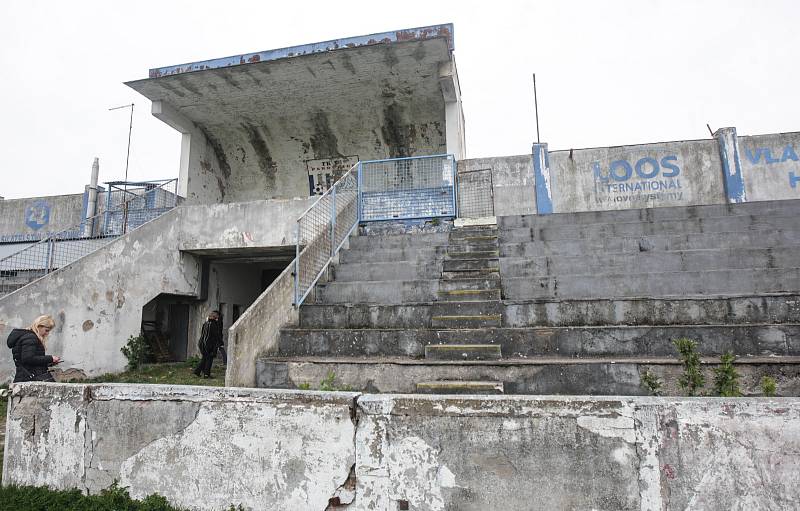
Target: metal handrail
x=330 y=226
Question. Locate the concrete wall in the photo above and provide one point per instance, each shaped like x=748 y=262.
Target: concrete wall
x=640 y=176
x=513 y=184
x=771 y=166
x=294 y=449
x=97 y=301
x=33 y=218
x=256 y=332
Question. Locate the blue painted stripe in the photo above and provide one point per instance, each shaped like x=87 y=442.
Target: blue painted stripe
x=398 y=36
x=543 y=181
x=733 y=179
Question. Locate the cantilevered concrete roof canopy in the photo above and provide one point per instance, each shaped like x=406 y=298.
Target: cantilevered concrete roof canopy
x=283 y=123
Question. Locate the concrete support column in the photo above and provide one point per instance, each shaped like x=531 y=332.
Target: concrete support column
x=542 y=179
x=731 y=165
x=453 y=111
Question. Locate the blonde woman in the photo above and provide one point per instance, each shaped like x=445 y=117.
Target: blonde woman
x=27 y=346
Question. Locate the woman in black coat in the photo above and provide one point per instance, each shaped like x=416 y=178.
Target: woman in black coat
x=28 y=349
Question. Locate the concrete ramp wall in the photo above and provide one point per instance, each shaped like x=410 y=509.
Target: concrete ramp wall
x=208 y=448
x=97 y=300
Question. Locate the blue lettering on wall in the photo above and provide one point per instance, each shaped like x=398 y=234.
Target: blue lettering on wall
x=793 y=180
x=757 y=153
x=646 y=168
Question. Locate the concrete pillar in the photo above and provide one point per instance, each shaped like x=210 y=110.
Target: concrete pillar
x=732 y=176
x=453 y=111
x=542 y=179
x=170 y=116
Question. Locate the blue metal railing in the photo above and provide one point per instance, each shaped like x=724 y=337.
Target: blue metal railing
x=407 y=188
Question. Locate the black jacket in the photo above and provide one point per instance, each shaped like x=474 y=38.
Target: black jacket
x=29 y=356
x=210 y=336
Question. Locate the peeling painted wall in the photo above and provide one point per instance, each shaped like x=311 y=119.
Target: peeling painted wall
x=771 y=166
x=201 y=448
x=34 y=217
x=109 y=287
x=294 y=450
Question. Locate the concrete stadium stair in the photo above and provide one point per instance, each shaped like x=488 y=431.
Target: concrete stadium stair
x=580 y=303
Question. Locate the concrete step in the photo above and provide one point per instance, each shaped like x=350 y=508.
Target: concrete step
x=731 y=310
x=641 y=262
x=404 y=291
x=454 y=265
x=672 y=242
x=376 y=255
x=609 y=376
x=761 y=339
x=460 y=387
x=463 y=351
x=400 y=240
x=758 y=209
x=647 y=228
x=688 y=283
x=395 y=270
x=484 y=273
x=477 y=246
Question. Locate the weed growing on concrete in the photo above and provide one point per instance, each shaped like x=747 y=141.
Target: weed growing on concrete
x=726 y=379
x=137 y=351
x=652 y=383
x=304 y=386
x=329 y=383
x=692 y=378
x=768 y=386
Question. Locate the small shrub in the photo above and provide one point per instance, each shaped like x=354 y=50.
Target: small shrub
x=137 y=351
x=304 y=386
x=768 y=386
x=329 y=383
x=652 y=383
x=726 y=379
x=692 y=378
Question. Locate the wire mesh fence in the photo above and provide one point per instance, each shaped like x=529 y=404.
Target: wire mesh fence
x=475 y=196
x=125 y=209
x=322 y=230
x=405 y=188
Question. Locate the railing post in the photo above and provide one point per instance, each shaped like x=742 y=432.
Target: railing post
x=360 y=204
x=297 y=267
x=333 y=220
x=50 y=254
x=454 y=180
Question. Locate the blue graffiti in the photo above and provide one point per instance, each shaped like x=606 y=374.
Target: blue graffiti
x=793 y=180
x=757 y=153
x=645 y=168
x=37 y=215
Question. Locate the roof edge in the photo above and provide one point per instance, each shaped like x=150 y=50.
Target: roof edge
x=397 y=36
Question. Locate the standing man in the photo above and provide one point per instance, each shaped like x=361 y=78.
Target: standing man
x=209 y=343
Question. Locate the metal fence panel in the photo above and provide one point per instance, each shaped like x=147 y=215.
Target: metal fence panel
x=125 y=209
x=405 y=188
x=475 y=195
x=322 y=230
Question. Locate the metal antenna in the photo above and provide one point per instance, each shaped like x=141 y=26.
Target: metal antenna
x=536 y=108
x=127 y=160
x=130 y=130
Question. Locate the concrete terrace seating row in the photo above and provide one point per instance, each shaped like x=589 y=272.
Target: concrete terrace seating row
x=579 y=303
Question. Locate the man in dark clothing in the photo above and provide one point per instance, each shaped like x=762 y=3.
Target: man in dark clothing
x=209 y=343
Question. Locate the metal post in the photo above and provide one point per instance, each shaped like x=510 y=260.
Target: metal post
x=333 y=220
x=50 y=254
x=297 y=267
x=360 y=203
x=536 y=108
x=453 y=164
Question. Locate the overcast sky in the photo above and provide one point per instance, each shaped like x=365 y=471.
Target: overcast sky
x=608 y=72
